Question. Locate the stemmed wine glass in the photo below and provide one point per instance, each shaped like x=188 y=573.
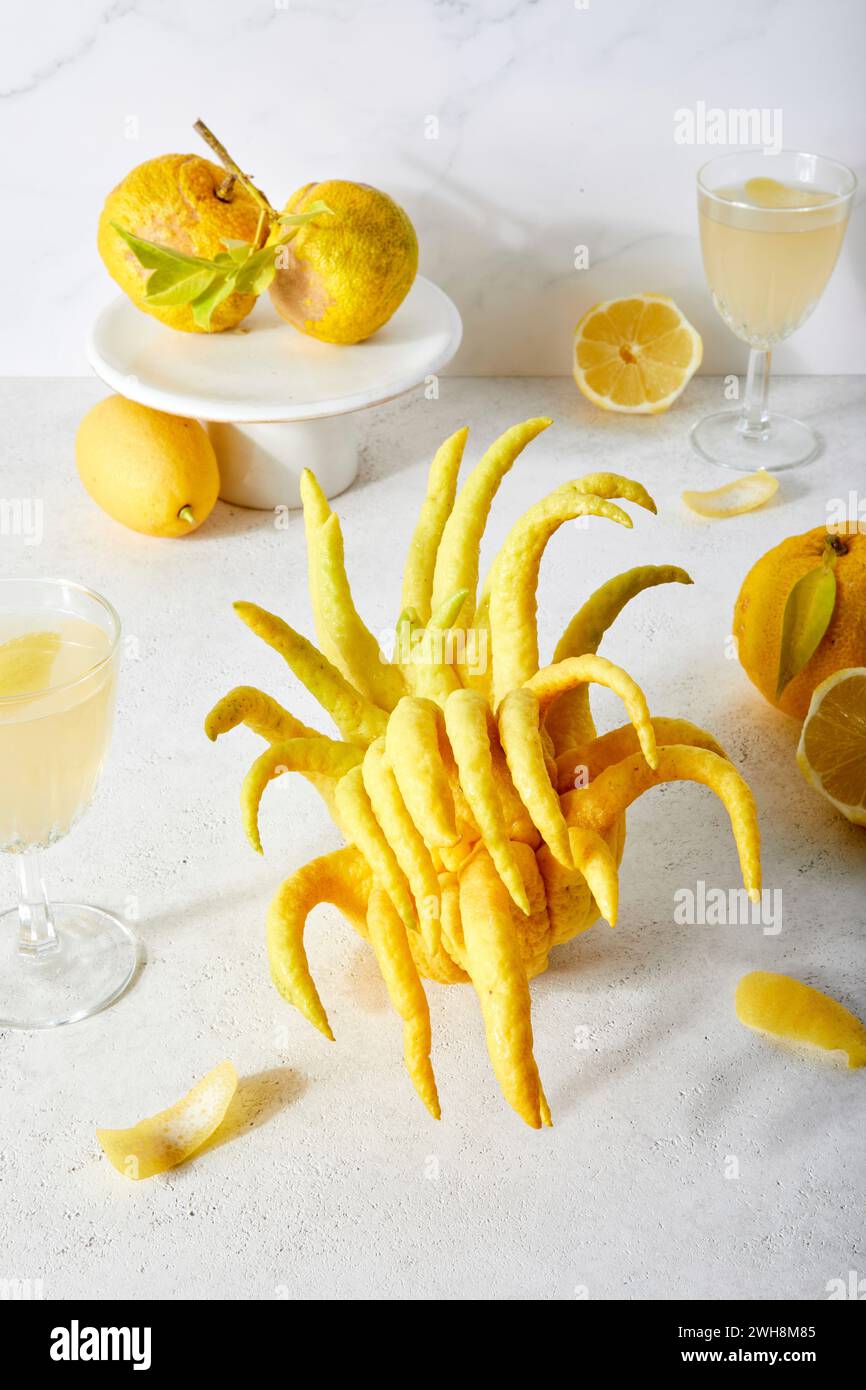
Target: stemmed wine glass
x=771 y=230
x=59 y=655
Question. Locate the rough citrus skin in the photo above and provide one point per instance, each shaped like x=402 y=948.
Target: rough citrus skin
x=142 y=466
x=172 y=201
x=345 y=274
x=760 y=609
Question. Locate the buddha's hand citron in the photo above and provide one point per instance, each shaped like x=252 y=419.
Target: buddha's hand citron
x=153 y=472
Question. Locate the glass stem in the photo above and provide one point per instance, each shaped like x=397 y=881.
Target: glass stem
x=36 y=934
x=755 y=415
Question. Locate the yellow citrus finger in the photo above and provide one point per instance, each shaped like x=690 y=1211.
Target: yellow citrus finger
x=362 y=828
x=595 y=860
x=457 y=557
x=347 y=641
x=514 y=580
x=614 y=789
x=389 y=941
x=789 y=1009
x=323 y=757
x=497 y=972
x=405 y=839
x=436 y=508
x=579 y=765
x=466 y=721
x=412 y=745
x=357 y=718
x=521 y=741
x=163 y=1141
x=552 y=681
x=266 y=717
x=742 y=495
x=571 y=722
x=615 y=485
x=342 y=878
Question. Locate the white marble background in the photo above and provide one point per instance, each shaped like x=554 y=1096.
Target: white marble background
x=555 y=128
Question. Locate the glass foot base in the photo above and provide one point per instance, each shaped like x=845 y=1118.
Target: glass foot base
x=94 y=961
x=787 y=442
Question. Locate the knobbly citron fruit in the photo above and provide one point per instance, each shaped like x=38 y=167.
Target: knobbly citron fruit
x=153 y=472
x=635 y=355
x=345 y=273
x=760 y=609
x=173 y=200
x=832 y=750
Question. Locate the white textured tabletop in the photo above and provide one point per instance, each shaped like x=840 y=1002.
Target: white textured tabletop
x=689 y=1157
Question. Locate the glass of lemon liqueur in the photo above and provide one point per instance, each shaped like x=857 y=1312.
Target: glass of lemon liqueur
x=59 y=654
x=771 y=230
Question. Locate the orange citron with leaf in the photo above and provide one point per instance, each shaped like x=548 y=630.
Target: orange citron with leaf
x=817 y=582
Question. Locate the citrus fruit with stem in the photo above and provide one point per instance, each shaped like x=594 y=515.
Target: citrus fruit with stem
x=187 y=204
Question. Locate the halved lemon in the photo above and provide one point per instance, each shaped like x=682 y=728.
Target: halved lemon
x=635 y=355
x=832 y=750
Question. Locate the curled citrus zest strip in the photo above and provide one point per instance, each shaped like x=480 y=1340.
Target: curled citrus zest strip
x=789 y=1009
x=164 y=1140
x=742 y=495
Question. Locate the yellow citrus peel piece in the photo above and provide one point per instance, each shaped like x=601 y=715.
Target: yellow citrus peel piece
x=798 y=1013
x=742 y=495
x=163 y=1141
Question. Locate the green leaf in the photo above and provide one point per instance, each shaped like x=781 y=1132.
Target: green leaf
x=177 y=285
x=154 y=257
x=204 y=306
x=297 y=219
x=254 y=276
x=807 y=616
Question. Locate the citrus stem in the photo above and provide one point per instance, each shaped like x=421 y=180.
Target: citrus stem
x=187 y=514
x=229 y=164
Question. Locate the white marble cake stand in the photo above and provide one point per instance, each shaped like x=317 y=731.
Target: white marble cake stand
x=274 y=400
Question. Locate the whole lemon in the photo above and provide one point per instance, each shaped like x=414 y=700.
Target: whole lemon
x=153 y=472
x=174 y=201
x=760 y=609
x=345 y=273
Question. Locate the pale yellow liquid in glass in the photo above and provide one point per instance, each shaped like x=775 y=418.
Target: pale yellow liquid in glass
x=53 y=734
x=769 y=249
